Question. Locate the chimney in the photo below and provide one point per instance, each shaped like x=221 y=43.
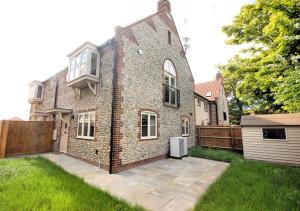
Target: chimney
x=219 y=76
x=163 y=5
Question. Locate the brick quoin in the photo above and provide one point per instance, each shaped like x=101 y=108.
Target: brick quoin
x=117 y=135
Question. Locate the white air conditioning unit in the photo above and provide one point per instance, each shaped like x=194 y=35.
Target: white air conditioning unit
x=185 y=145
x=177 y=147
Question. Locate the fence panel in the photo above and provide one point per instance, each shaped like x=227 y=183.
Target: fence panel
x=226 y=137
x=28 y=137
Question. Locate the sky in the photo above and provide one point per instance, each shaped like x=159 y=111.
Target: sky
x=36 y=37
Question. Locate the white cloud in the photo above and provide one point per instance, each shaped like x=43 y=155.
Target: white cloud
x=36 y=37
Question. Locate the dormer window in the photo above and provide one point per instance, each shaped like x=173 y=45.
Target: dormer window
x=208 y=94
x=83 y=68
x=35 y=92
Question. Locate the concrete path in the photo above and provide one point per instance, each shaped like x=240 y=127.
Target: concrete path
x=162 y=185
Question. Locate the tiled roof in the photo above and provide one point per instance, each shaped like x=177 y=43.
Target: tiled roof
x=210 y=86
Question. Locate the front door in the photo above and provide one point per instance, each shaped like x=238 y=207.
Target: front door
x=64 y=133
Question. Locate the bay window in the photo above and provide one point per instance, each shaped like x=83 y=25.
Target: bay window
x=185 y=126
x=86 y=125
x=148 y=125
x=35 y=92
x=84 y=66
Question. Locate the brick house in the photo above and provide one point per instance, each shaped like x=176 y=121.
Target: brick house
x=117 y=104
x=211 y=103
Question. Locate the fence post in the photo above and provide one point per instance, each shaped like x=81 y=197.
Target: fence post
x=232 y=138
x=3 y=137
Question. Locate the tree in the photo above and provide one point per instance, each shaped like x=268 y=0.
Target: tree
x=265 y=77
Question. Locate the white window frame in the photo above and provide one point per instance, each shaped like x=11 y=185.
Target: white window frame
x=170 y=72
x=89 y=125
x=274 y=139
x=186 y=126
x=149 y=114
x=206 y=106
x=84 y=64
x=33 y=91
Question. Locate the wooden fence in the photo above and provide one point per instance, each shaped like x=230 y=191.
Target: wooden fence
x=225 y=137
x=25 y=137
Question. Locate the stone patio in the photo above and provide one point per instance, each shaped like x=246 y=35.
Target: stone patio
x=162 y=185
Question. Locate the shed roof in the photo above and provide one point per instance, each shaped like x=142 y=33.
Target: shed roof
x=271 y=119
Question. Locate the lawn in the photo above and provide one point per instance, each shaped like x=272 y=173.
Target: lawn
x=38 y=184
x=250 y=185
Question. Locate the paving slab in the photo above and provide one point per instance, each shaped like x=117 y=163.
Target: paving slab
x=168 y=184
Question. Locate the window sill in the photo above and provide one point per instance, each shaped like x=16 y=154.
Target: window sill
x=171 y=105
x=269 y=139
x=185 y=135
x=148 y=139
x=84 y=137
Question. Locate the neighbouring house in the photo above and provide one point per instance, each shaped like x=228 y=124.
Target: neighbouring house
x=272 y=138
x=118 y=104
x=211 y=103
x=15 y=118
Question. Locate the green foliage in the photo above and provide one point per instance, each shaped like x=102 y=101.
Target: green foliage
x=38 y=184
x=265 y=77
x=250 y=185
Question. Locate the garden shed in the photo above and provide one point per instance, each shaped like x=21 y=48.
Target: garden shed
x=272 y=138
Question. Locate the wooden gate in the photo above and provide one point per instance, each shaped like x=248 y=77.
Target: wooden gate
x=226 y=137
x=25 y=137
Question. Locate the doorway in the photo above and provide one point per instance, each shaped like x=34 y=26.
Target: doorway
x=64 y=133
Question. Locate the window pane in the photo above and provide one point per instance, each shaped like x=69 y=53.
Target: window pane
x=167 y=93
x=86 y=123
x=92 y=125
x=144 y=119
x=72 y=68
x=167 y=82
x=172 y=81
x=39 y=92
x=274 y=133
x=77 y=66
x=182 y=127
x=144 y=131
x=83 y=58
x=187 y=127
x=93 y=64
x=83 y=62
x=79 y=133
x=152 y=130
x=173 y=96
x=152 y=120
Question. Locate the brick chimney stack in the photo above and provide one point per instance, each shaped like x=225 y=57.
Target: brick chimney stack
x=163 y=4
x=219 y=77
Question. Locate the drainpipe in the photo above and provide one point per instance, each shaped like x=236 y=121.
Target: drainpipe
x=56 y=118
x=113 y=45
x=55 y=94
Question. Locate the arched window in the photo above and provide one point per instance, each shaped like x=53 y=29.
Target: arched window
x=171 y=94
x=169 y=68
x=185 y=126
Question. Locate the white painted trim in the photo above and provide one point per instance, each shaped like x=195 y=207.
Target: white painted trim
x=185 y=128
x=89 y=124
x=148 y=113
x=274 y=140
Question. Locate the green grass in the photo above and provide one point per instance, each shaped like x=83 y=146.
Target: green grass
x=214 y=154
x=250 y=185
x=38 y=184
